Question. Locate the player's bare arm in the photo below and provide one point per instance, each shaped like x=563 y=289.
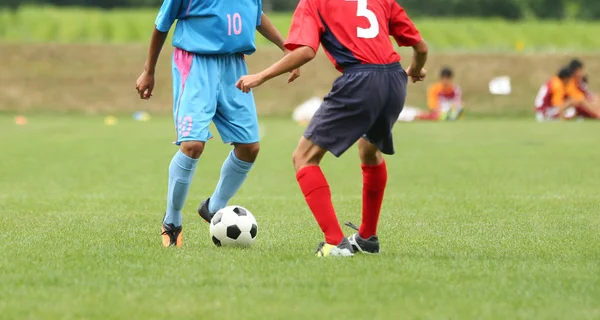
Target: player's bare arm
x=416 y=69
x=145 y=83
x=289 y=62
x=268 y=30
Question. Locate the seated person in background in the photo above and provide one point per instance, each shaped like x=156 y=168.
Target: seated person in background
x=585 y=105
x=444 y=98
x=550 y=103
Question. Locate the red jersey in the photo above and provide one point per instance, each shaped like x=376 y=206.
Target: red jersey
x=352 y=31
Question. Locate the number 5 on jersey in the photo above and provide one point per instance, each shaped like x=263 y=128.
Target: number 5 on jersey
x=234 y=23
x=362 y=11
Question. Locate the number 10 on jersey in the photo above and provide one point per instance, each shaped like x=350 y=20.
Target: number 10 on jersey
x=234 y=24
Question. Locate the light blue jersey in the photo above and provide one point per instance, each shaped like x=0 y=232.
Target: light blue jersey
x=212 y=26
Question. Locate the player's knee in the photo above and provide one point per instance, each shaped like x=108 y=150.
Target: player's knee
x=192 y=149
x=298 y=160
x=307 y=157
x=369 y=153
x=247 y=152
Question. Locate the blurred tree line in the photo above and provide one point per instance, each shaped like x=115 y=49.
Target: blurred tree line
x=508 y=9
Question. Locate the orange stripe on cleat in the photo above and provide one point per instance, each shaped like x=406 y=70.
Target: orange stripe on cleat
x=166 y=241
x=179 y=242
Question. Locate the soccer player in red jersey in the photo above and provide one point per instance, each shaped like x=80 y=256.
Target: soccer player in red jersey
x=444 y=98
x=363 y=104
x=586 y=106
x=551 y=101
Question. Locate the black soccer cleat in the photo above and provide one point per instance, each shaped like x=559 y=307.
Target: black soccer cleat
x=203 y=211
x=361 y=245
x=172 y=236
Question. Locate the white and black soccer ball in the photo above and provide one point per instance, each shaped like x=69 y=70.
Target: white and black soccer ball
x=233 y=226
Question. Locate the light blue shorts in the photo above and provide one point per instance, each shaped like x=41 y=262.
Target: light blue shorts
x=204 y=91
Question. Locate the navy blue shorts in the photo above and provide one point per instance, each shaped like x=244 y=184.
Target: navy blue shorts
x=364 y=102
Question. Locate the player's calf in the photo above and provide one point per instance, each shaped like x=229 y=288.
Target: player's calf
x=317 y=194
x=374 y=172
x=181 y=171
x=233 y=174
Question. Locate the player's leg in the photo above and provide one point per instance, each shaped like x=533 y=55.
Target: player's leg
x=193 y=109
x=374 y=172
x=234 y=171
x=347 y=112
x=587 y=109
x=377 y=140
x=237 y=123
x=316 y=191
x=306 y=159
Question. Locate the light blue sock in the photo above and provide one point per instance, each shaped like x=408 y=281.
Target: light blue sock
x=181 y=172
x=233 y=174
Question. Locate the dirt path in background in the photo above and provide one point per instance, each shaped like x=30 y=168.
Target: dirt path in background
x=101 y=78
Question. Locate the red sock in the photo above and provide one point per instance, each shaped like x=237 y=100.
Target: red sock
x=374 y=181
x=318 y=197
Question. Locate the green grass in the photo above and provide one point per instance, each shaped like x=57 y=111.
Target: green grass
x=76 y=25
x=482 y=220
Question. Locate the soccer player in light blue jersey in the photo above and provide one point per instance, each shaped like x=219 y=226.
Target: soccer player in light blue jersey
x=210 y=40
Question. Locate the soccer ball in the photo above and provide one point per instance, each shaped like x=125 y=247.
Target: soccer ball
x=233 y=226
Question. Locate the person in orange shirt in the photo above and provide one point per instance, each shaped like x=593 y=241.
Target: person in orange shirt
x=444 y=98
x=586 y=106
x=551 y=102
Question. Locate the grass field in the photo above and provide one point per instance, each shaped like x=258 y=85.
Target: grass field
x=482 y=220
x=76 y=25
